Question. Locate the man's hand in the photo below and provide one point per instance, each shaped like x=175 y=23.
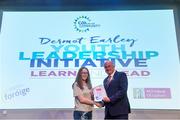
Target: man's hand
x=106 y=99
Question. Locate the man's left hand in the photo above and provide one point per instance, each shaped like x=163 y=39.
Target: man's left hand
x=106 y=99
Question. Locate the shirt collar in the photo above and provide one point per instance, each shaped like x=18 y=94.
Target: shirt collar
x=113 y=73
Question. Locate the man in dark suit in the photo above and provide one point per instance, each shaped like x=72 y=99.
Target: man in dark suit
x=116 y=84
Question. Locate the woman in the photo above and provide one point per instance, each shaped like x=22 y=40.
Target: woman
x=82 y=90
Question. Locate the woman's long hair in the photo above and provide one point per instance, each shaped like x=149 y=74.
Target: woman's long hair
x=79 y=81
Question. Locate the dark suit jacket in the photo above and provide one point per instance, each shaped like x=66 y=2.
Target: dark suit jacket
x=117 y=92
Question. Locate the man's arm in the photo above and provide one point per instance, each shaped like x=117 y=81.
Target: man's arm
x=121 y=92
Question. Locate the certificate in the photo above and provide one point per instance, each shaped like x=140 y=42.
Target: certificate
x=99 y=92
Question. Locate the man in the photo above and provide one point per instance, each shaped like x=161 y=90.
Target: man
x=116 y=103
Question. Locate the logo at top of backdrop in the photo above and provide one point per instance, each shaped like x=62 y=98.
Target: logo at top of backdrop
x=84 y=23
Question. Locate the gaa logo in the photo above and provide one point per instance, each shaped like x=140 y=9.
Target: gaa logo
x=83 y=24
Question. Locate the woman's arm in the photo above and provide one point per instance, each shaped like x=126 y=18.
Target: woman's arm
x=84 y=100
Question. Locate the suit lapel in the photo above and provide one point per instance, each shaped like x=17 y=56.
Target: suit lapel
x=106 y=83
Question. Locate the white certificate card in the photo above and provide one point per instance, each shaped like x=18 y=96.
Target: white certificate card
x=99 y=92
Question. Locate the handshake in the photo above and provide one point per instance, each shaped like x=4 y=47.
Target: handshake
x=98 y=104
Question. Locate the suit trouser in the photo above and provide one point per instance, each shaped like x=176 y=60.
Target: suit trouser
x=121 y=116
